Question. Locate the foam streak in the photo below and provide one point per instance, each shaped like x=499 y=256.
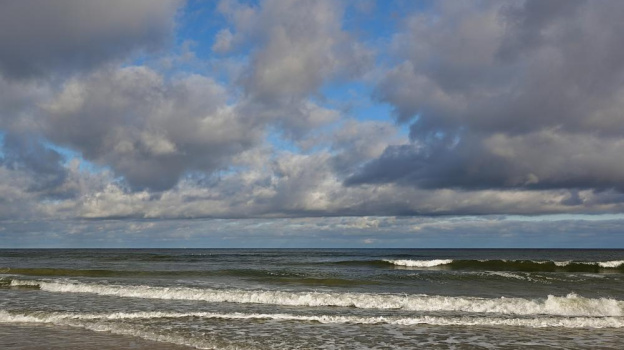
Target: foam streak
x=570 y=305
x=536 y=322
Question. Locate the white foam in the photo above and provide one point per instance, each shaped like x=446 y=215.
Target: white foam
x=507 y=275
x=536 y=322
x=420 y=263
x=25 y=283
x=517 y=276
x=77 y=320
x=570 y=305
x=611 y=264
x=439 y=262
x=604 y=264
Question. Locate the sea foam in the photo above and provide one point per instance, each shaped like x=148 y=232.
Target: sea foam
x=534 y=322
x=570 y=305
x=611 y=264
x=420 y=263
x=505 y=264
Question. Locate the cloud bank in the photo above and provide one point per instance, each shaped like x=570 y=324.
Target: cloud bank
x=496 y=108
x=507 y=95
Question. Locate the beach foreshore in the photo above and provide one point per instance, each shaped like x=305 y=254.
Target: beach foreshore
x=46 y=337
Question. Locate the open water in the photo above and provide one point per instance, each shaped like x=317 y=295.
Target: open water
x=320 y=298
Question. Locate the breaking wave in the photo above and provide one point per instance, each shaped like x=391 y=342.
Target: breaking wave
x=570 y=305
x=86 y=322
x=420 y=263
x=289 y=276
x=533 y=322
x=510 y=265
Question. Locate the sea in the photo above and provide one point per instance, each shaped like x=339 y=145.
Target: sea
x=312 y=298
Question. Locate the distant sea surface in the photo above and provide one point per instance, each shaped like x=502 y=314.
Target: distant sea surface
x=320 y=298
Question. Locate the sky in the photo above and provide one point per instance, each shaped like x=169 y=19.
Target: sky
x=312 y=123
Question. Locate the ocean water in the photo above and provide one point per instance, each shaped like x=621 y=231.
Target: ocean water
x=320 y=298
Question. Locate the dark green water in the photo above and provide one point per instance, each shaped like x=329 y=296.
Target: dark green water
x=324 y=299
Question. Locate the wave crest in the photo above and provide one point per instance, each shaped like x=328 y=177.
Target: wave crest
x=420 y=263
x=570 y=305
x=534 y=322
x=511 y=265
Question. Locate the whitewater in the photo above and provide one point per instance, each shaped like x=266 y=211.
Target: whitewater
x=570 y=305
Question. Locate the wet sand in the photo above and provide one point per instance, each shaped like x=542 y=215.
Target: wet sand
x=44 y=337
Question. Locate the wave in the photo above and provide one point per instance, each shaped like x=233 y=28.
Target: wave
x=37 y=271
x=420 y=263
x=508 y=265
x=570 y=305
x=273 y=276
x=515 y=276
x=534 y=322
x=114 y=328
x=611 y=264
x=291 y=276
x=64 y=272
x=115 y=323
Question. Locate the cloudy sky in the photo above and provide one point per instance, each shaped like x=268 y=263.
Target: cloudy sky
x=312 y=123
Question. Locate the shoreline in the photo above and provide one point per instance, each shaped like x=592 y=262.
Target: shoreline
x=52 y=337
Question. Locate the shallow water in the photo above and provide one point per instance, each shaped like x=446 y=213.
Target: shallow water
x=51 y=337
x=321 y=299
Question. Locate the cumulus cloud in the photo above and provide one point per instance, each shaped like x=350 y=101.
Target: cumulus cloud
x=524 y=95
x=223 y=41
x=272 y=186
x=295 y=185
x=40 y=37
x=512 y=108
x=301 y=45
x=356 y=142
x=297 y=46
x=149 y=129
x=153 y=130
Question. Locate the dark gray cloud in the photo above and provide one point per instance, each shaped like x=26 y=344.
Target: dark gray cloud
x=453 y=76
x=530 y=22
x=525 y=95
x=536 y=161
x=40 y=37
